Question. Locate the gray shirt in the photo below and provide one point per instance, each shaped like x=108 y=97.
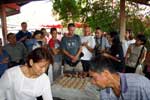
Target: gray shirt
x=102 y=43
x=16 y=52
x=71 y=45
x=133 y=87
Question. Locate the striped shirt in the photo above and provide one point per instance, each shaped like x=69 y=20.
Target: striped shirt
x=133 y=87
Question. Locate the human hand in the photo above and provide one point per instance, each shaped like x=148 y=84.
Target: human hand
x=23 y=38
x=74 y=59
x=85 y=43
x=5 y=60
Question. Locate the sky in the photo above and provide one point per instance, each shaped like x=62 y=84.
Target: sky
x=35 y=13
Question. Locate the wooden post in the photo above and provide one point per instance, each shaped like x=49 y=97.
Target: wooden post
x=122 y=19
x=4 y=24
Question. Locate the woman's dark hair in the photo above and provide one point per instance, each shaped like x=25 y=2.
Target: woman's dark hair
x=37 y=32
x=142 y=38
x=116 y=38
x=98 y=28
x=100 y=63
x=39 y=54
x=53 y=29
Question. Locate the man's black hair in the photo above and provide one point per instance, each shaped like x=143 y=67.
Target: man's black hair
x=142 y=38
x=98 y=28
x=71 y=25
x=100 y=63
x=53 y=29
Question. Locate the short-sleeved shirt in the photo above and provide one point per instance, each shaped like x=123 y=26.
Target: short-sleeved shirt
x=91 y=43
x=102 y=43
x=16 y=52
x=133 y=87
x=134 y=55
x=55 y=44
x=15 y=86
x=71 y=45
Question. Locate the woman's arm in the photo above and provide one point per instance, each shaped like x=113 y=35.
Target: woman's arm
x=4 y=85
x=111 y=57
x=47 y=94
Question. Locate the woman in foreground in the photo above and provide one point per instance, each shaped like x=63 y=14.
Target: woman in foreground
x=29 y=81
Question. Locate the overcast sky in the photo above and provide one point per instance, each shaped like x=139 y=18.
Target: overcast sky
x=35 y=14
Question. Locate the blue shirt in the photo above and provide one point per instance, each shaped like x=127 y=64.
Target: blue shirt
x=22 y=34
x=3 y=67
x=133 y=87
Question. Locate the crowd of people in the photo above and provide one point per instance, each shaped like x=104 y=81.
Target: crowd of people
x=26 y=58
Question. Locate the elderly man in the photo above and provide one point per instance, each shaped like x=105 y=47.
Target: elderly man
x=118 y=86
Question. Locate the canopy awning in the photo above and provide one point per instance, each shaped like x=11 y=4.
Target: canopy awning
x=7 y=8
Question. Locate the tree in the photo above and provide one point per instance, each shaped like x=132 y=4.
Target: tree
x=99 y=13
x=67 y=9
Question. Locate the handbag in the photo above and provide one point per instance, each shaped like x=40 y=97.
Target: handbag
x=139 y=69
x=138 y=66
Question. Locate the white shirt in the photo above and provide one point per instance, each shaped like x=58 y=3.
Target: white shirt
x=15 y=86
x=125 y=45
x=91 y=43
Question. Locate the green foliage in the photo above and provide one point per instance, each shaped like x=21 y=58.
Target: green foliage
x=136 y=25
x=101 y=13
x=67 y=9
x=147 y=33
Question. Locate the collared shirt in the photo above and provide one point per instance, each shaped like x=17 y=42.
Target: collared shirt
x=102 y=43
x=16 y=52
x=133 y=87
x=91 y=43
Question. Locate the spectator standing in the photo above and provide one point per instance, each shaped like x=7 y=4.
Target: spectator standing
x=23 y=34
x=102 y=44
x=71 y=47
x=45 y=35
x=128 y=40
x=54 y=44
x=133 y=53
x=88 y=44
x=116 y=51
